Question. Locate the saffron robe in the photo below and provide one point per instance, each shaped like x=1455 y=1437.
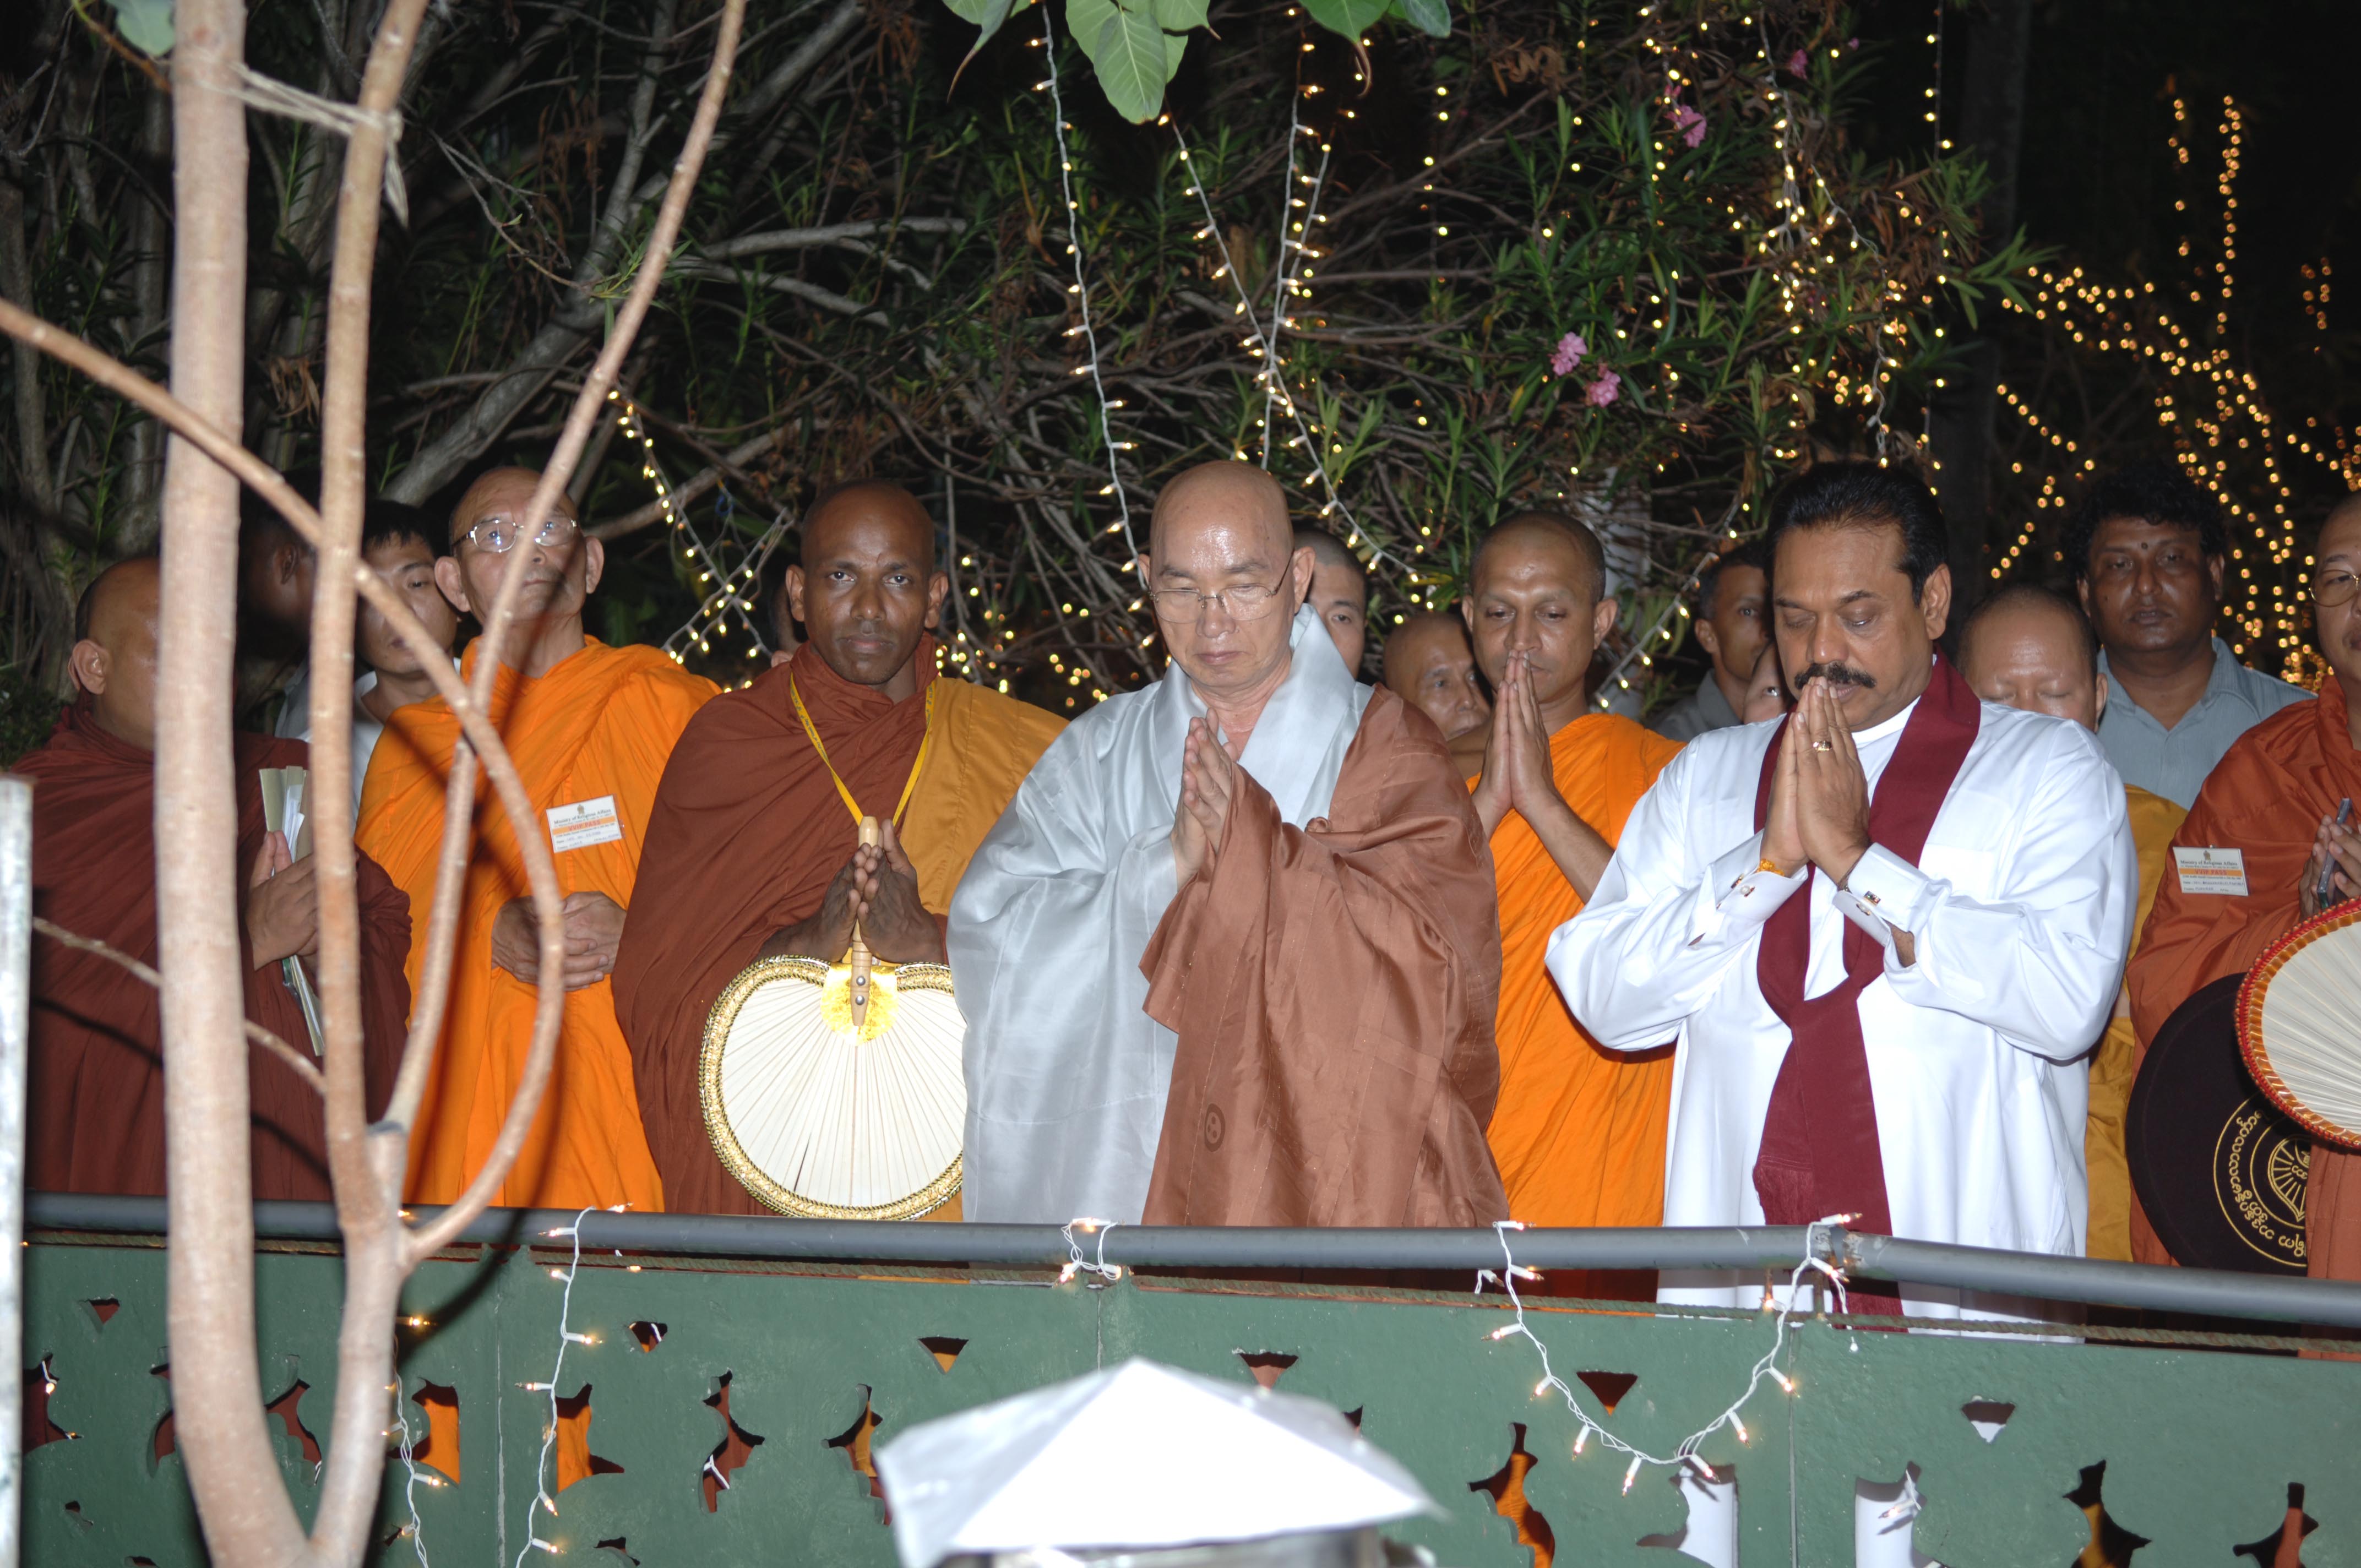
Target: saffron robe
x=2115 y=1064
x=1301 y=1035
x=2264 y=798
x=94 y=1118
x=596 y=727
x=1579 y=1131
x=749 y=832
x=2020 y=907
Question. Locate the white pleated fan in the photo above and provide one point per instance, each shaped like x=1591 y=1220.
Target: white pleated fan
x=836 y=1092
x=2300 y=1024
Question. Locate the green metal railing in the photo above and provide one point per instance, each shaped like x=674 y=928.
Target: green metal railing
x=732 y=1393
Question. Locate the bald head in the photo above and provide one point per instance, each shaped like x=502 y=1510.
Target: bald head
x=1430 y=666
x=1537 y=593
x=2027 y=647
x=866 y=589
x=503 y=492
x=113 y=657
x=1221 y=529
x=1340 y=593
x=1545 y=535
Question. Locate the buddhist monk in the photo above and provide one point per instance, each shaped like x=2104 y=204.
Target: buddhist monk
x=590 y=727
x=2027 y=647
x=1340 y=593
x=95 y=1121
x=1430 y=664
x=1579 y=1132
x=1232 y=957
x=752 y=852
x=2272 y=801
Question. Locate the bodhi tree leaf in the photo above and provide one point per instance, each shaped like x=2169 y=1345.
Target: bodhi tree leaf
x=1179 y=16
x=145 y=24
x=1431 y=17
x=1350 y=17
x=1133 y=61
x=1088 y=21
x=987 y=14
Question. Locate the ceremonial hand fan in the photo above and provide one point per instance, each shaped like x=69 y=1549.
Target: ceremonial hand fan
x=2300 y=1024
x=835 y=1091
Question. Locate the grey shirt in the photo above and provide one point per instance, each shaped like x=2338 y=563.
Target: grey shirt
x=2173 y=763
x=1703 y=709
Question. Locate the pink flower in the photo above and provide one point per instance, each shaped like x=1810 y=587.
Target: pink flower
x=1799 y=64
x=1852 y=43
x=1601 y=393
x=1570 y=350
x=1690 y=123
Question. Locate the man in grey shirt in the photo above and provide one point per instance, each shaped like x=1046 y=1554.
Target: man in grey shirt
x=1732 y=626
x=2148 y=556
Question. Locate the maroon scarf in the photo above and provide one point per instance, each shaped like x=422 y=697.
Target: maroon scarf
x=1820 y=1154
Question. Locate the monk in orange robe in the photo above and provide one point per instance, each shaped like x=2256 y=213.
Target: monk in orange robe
x=590 y=727
x=1579 y=1132
x=94 y=1117
x=751 y=851
x=2029 y=647
x=2273 y=798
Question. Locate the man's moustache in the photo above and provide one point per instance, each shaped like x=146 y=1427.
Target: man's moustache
x=1837 y=676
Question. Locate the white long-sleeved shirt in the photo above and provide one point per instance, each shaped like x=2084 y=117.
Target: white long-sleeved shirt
x=2020 y=910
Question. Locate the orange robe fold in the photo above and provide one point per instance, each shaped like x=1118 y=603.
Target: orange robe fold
x=749 y=832
x=2264 y=798
x=1333 y=990
x=1579 y=1132
x=2115 y=1064
x=598 y=726
x=94 y=1117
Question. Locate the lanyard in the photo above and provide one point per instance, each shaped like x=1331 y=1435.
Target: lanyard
x=925 y=745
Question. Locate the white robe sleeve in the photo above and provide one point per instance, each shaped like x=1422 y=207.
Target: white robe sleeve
x=1665 y=924
x=1066 y=1074
x=2042 y=962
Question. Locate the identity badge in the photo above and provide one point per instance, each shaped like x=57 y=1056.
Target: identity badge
x=588 y=822
x=2209 y=870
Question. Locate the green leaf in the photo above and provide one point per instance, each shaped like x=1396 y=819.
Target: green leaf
x=147 y=24
x=1133 y=62
x=1431 y=17
x=1179 y=16
x=1088 y=21
x=1350 y=17
x=988 y=14
x=1175 y=46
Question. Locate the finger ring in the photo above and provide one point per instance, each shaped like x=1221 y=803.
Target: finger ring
x=1824 y=746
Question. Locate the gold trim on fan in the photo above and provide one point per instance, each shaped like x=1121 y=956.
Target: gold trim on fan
x=726 y=1147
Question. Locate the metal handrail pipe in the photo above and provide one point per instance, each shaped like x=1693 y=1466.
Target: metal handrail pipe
x=1750 y=1249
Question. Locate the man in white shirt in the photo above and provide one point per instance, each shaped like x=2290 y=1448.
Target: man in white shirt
x=1885 y=931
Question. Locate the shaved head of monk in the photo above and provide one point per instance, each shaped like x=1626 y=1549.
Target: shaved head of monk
x=867 y=589
x=113 y=657
x=2337 y=567
x=560 y=562
x=1430 y=666
x=2026 y=647
x=1226 y=576
x=1340 y=593
x=1538 y=586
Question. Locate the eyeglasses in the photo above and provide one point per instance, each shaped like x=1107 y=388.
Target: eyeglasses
x=2330 y=590
x=1246 y=601
x=496 y=535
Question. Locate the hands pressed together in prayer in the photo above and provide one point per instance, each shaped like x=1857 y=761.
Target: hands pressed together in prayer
x=1819 y=797
x=1207 y=777
x=593 y=925
x=1520 y=776
x=2331 y=845
x=879 y=888
x=282 y=905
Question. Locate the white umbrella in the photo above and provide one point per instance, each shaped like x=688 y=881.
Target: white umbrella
x=1138 y=1455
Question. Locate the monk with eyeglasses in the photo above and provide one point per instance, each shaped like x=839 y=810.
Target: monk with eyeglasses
x=1231 y=957
x=590 y=727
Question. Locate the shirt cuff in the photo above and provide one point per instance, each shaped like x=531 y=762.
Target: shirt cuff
x=1885 y=894
x=1738 y=895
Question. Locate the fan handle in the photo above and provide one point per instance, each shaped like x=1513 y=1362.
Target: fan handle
x=857 y=958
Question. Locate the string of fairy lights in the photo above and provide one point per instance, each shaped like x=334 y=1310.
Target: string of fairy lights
x=2213 y=408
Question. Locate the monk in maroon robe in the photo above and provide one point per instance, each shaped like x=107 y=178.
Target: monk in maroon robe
x=95 y=1120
